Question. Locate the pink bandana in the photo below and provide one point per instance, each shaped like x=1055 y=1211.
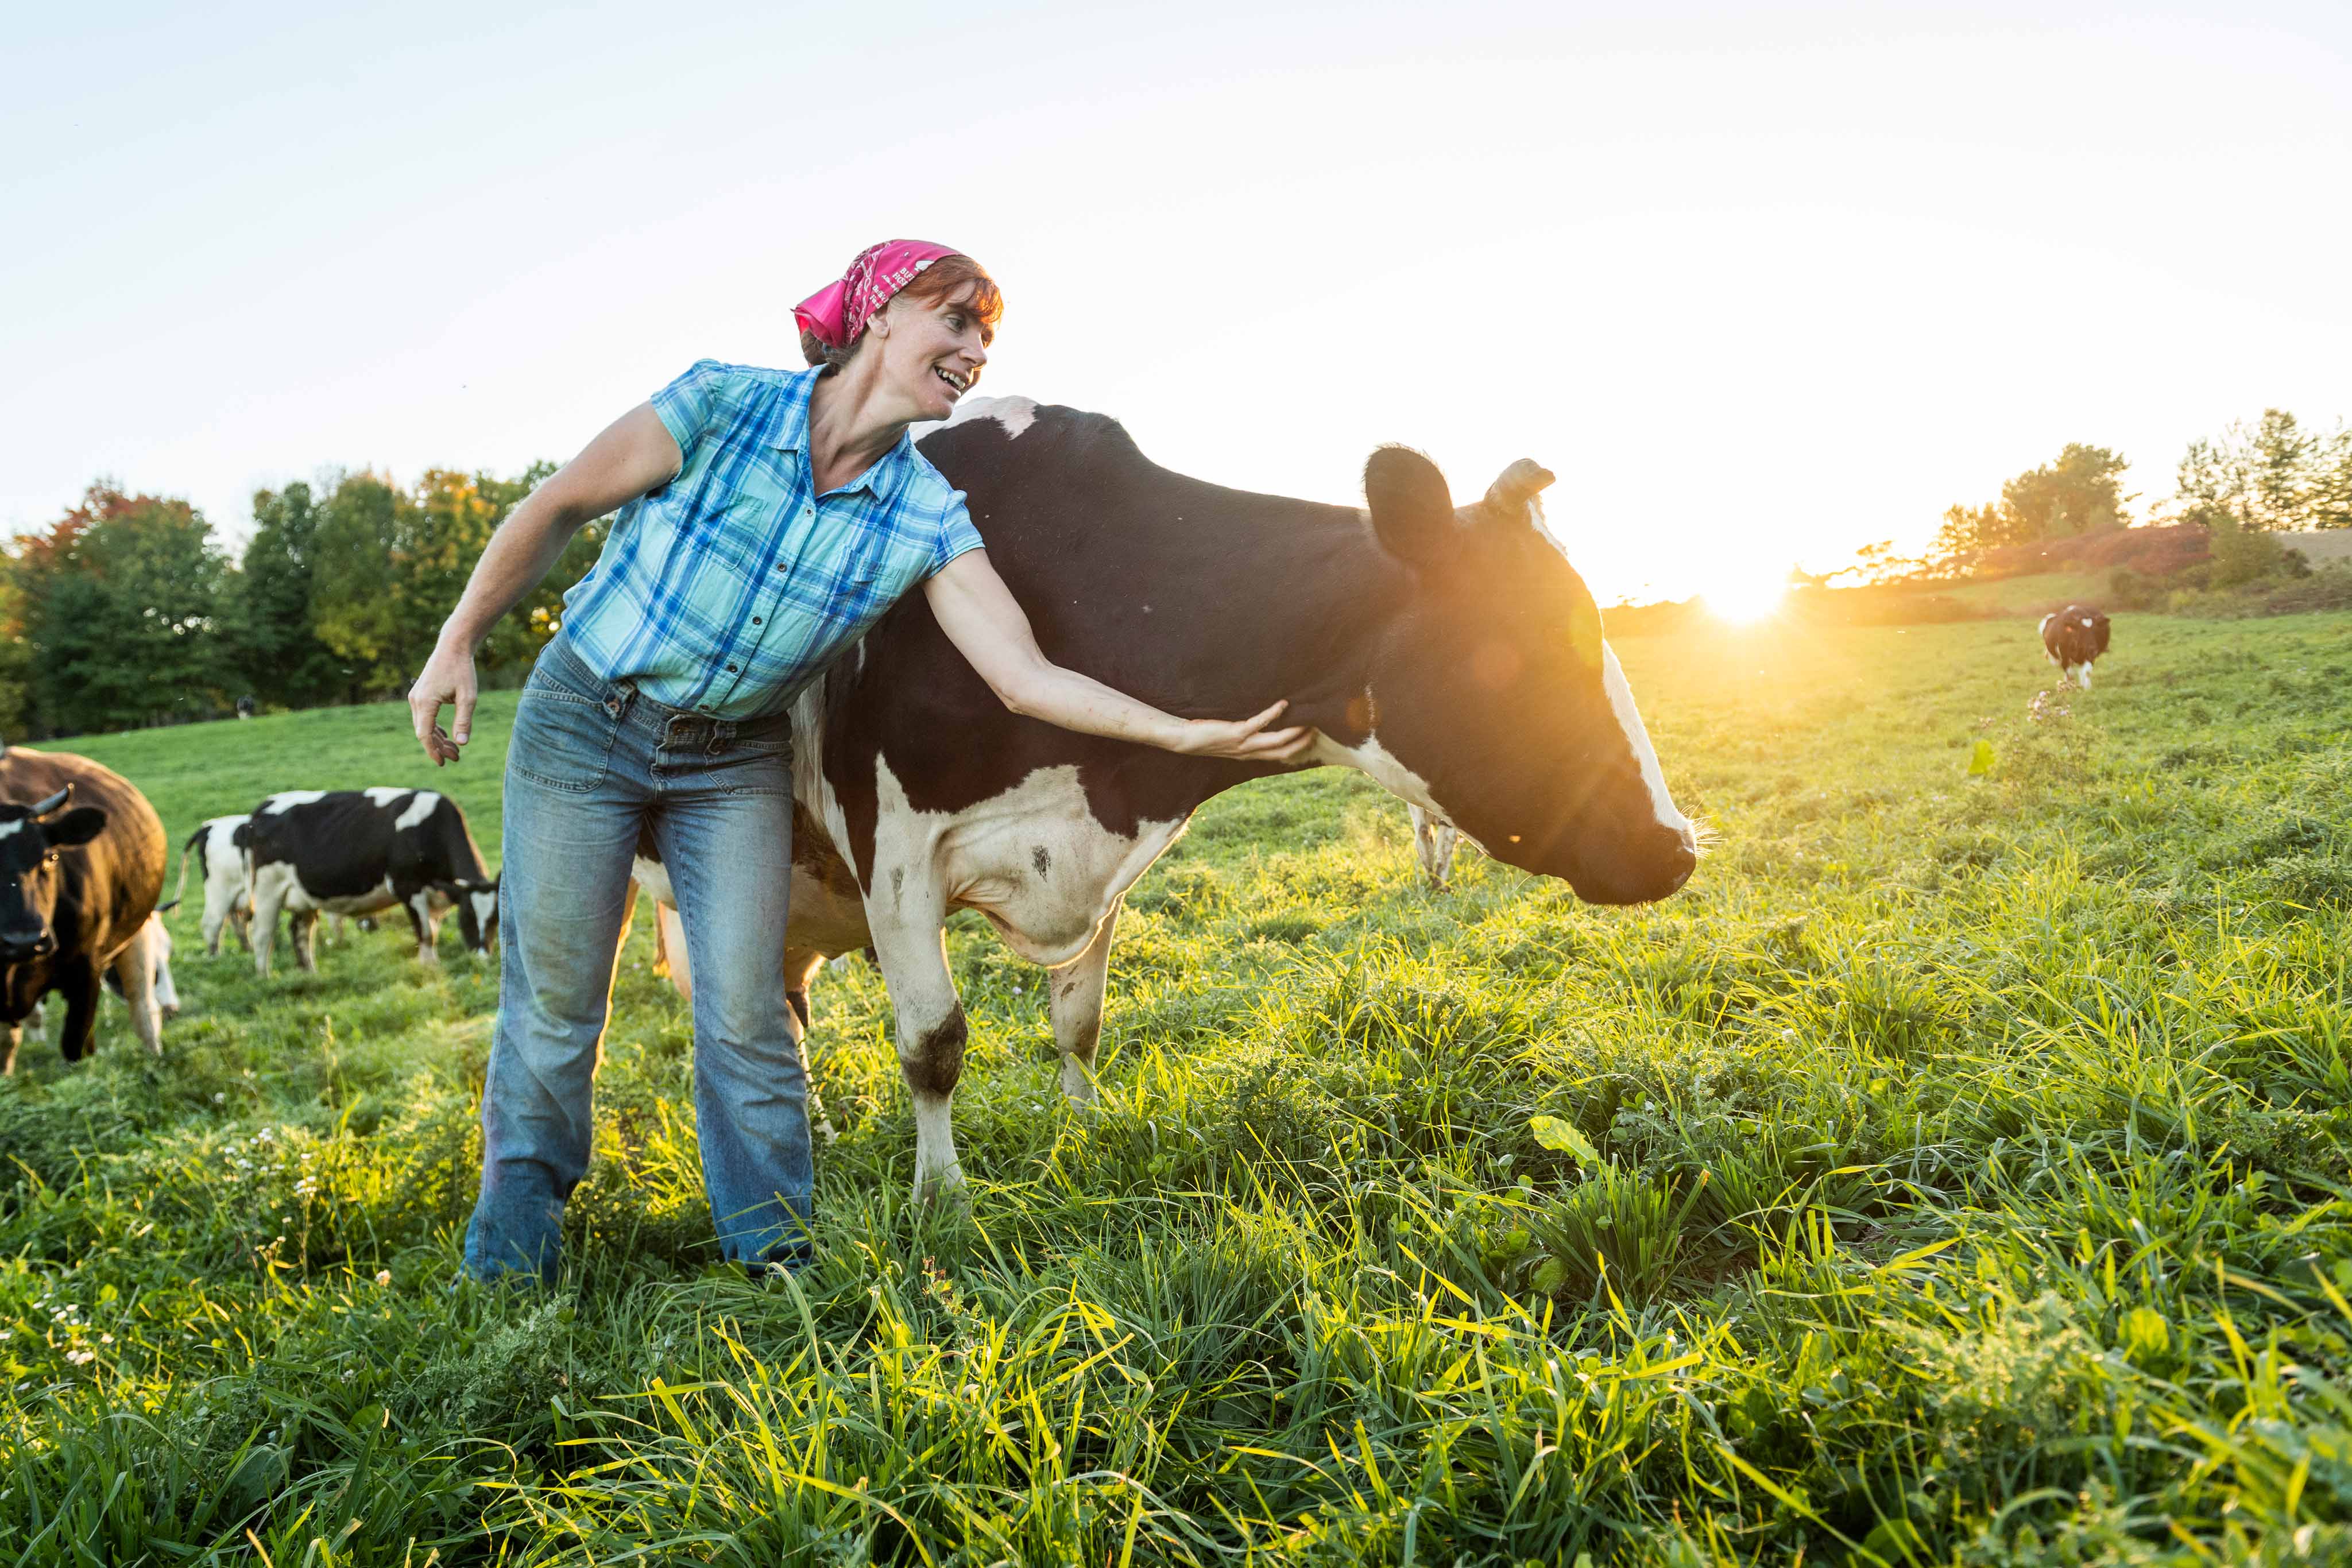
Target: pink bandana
x=835 y=314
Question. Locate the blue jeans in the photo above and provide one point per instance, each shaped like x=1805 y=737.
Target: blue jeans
x=591 y=765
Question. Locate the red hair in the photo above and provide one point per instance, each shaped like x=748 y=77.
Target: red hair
x=934 y=285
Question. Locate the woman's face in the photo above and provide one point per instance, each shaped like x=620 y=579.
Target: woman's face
x=932 y=351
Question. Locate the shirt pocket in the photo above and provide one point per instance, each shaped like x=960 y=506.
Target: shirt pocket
x=884 y=567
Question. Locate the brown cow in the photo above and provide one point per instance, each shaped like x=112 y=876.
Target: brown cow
x=81 y=867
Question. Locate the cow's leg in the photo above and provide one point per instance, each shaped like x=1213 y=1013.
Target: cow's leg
x=1074 y=996
x=2083 y=679
x=240 y=920
x=801 y=964
x=167 y=993
x=427 y=921
x=1435 y=842
x=670 y=956
x=134 y=972
x=82 y=983
x=910 y=941
x=302 y=930
x=269 y=888
x=10 y=1039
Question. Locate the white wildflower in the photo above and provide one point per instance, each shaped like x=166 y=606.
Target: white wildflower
x=384 y=1276
x=81 y=1357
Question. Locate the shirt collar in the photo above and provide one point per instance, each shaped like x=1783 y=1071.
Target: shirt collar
x=790 y=435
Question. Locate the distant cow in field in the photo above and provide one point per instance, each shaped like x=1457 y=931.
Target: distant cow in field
x=353 y=852
x=81 y=867
x=246 y=707
x=2074 y=637
x=217 y=849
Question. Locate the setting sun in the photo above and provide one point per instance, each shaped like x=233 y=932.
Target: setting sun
x=1745 y=596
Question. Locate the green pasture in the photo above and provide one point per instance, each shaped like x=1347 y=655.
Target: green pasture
x=1955 y=1173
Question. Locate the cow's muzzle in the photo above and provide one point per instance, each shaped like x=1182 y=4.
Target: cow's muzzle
x=18 y=946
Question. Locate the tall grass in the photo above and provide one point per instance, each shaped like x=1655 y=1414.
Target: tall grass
x=1955 y=1172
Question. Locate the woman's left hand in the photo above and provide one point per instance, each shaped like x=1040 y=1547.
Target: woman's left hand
x=1248 y=739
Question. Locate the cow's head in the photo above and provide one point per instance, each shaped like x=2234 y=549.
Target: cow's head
x=478 y=910
x=30 y=838
x=1494 y=694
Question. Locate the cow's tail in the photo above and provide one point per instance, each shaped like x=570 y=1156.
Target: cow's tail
x=195 y=846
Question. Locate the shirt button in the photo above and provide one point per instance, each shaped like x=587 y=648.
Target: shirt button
x=755 y=620
x=730 y=669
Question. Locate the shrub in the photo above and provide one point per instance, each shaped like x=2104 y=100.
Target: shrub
x=2129 y=589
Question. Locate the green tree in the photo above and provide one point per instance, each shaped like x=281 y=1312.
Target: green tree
x=2274 y=475
x=274 y=644
x=392 y=564
x=2081 y=492
x=121 y=605
x=357 y=585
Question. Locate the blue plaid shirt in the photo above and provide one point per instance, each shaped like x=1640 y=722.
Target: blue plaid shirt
x=729 y=588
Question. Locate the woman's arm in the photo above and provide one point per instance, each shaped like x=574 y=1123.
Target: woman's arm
x=987 y=626
x=631 y=456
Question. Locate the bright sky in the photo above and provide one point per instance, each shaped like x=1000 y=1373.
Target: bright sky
x=1761 y=283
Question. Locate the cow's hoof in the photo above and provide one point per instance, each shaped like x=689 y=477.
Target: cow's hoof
x=945 y=1193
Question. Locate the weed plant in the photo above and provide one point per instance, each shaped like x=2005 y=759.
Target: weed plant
x=1955 y=1173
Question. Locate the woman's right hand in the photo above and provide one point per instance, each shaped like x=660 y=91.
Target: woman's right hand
x=448 y=678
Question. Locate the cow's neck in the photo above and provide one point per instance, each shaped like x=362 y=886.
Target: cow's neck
x=1213 y=603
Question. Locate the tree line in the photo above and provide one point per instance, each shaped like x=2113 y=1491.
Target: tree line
x=2270 y=477
x=127 y=612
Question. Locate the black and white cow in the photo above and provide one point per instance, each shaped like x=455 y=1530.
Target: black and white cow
x=1451 y=653
x=82 y=865
x=217 y=849
x=353 y=851
x=2073 y=638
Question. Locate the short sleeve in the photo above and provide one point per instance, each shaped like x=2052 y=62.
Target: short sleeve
x=686 y=404
x=957 y=536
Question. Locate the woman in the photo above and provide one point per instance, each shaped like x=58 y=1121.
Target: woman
x=767 y=520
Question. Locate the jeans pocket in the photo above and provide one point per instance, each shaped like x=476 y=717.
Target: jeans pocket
x=754 y=768
x=561 y=740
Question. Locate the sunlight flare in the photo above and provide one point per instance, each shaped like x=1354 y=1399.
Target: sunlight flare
x=1743 y=596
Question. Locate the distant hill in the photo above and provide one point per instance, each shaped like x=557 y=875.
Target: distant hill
x=2139 y=570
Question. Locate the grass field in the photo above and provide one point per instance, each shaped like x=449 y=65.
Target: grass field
x=1955 y=1172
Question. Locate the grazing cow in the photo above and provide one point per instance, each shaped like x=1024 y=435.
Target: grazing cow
x=353 y=852
x=218 y=851
x=81 y=867
x=1434 y=840
x=2073 y=638
x=1450 y=653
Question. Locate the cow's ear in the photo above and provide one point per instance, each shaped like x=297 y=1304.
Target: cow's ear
x=1413 y=512
x=77 y=826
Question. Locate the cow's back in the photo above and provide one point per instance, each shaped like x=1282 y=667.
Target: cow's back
x=107 y=889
